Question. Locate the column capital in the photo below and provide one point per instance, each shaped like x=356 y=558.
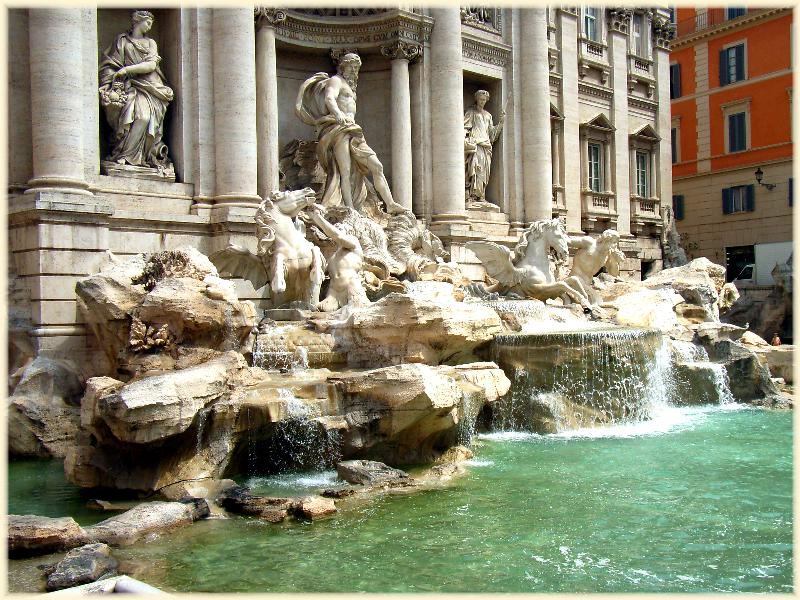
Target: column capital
x=663 y=30
x=268 y=17
x=402 y=50
x=619 y=19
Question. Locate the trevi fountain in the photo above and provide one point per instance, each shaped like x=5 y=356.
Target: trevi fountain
x=383 y=415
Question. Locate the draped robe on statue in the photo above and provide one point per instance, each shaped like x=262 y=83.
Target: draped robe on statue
x=480 y=134
x=138 y=123
x=311 y=109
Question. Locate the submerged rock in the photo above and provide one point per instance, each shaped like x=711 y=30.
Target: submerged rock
x=368 y=472
x=82 y=565
x=29 y=535
x=241 y=501
x=146 y=519
x=314 y=507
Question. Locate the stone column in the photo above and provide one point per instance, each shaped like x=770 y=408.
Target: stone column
x=447 y=117
x=537 y=175
x=57 y=100
x=618 y=25
x=267 y=98
x=574 y=161
x=401 y=54
x=554 y=147
x=235 y=107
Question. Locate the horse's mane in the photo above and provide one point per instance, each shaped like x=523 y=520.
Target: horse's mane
x=533 y=232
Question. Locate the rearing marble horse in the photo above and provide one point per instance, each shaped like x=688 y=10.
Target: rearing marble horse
x=525 y=272
x=294 y=267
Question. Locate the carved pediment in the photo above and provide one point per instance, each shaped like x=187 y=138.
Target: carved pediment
x=646 y=134
x=599 y=122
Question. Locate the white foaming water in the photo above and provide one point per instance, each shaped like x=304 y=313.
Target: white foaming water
x=297 y=480
x=665 y=419
x=295 y=408
x=474 y=462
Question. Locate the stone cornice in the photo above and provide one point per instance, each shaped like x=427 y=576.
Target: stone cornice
x=725 y=26
x=371 y=31
x=485 y=51
x=648 y=105
x=595 y=90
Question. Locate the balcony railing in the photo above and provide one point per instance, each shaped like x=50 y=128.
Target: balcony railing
x=704 y=20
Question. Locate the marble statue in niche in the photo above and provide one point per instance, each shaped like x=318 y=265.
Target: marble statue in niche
x=328 y=103
x=134 y=96
x=480 y=133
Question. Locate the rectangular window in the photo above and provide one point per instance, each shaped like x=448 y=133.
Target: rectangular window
x=733 y=13
x=677 y=207
x=642 y=174
x=739 y=261
x=737 y=132
x=637 y=31
x=674 y=81
x=590 y=19
x=791 y=191
x=731 y=65
x=595 y=167
x=674 y=140
x=740 y=198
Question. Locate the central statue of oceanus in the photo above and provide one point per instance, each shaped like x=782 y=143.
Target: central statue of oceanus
x=328 y=103
x=525 y=272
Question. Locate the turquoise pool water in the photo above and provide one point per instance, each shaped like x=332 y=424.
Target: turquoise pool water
x=699 y=499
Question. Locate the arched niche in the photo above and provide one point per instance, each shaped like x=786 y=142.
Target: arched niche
x=166 y=32
x=472 y=83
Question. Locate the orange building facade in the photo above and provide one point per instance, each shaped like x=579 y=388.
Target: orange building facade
x=731 y=90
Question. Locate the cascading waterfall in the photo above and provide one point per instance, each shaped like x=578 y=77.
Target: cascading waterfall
x=469 y=410
x=569 y=379
x=271 y=354
x=300 y=441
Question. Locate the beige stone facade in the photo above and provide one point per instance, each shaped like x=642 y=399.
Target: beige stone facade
x=574 y=83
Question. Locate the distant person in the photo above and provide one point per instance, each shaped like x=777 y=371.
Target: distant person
x=776 y=341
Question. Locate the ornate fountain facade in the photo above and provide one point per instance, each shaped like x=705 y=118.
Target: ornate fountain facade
x=583 y=91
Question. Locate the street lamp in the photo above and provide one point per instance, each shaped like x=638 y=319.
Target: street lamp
x=759 y=176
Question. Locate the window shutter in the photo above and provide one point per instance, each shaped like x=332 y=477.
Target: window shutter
x=726 y=201
x=677 y=207
x=733 y=143
x=742 y=131
x=739 y=50
x=675 y=81
x=723 y=67
x=791 y=191
x=751 y=198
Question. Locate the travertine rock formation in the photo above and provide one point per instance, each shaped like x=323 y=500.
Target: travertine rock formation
x=401 y=329
x=43 y=412
x=163 y=305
